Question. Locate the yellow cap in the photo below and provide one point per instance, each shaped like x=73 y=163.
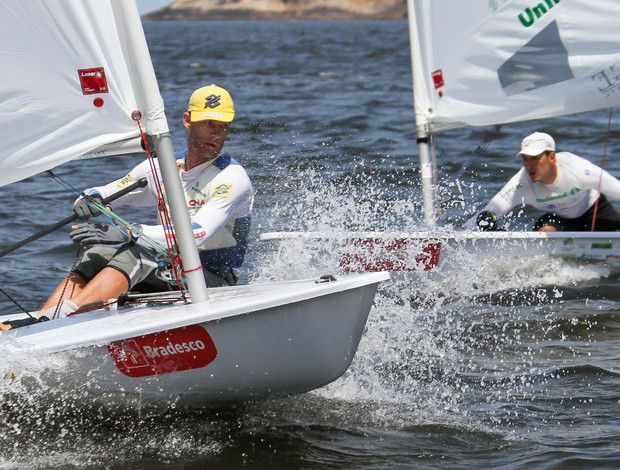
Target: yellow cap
x=211 y=103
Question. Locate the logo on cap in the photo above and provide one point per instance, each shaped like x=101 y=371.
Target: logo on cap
x=212 y=101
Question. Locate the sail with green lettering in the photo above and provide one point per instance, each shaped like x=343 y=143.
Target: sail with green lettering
x=483 y=62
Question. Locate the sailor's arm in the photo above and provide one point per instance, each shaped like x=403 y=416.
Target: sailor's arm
x=511 y=195
x=610 y=186
x=139 y=197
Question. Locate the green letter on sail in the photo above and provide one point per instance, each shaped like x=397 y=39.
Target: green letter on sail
x=536 y=12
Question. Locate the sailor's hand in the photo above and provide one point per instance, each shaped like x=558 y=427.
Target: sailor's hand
x=487 y=222
x=98 y=233
x=84 y=209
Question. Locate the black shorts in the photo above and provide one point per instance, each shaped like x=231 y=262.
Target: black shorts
x=607 y=219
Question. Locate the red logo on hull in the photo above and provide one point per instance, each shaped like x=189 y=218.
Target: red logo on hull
x=176 y=350
x=374 y=254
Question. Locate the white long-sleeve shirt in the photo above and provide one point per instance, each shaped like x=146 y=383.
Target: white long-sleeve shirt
x=219 y=197
x=573 y=192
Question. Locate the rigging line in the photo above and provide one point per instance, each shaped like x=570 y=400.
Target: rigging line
x=480 y=149
x=600 y=180
x=73 y=190
x=490 y=137
x=66 y=284
x=15 y=302
x=113 y=217
x=170 y=236
x=110 y=215
x=161 y=206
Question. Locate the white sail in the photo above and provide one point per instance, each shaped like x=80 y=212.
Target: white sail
x=68 y=91
x=74 y=73
x=481 y=62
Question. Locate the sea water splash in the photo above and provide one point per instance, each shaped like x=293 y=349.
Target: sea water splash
x=432 y=346
x=434 y=338
x=41 y=415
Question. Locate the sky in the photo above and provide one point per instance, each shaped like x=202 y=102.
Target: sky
x=146 y=6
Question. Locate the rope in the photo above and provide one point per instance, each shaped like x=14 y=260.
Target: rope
x=15 y=302
x=490 y=137
x=117 y=220
x=455 y=180
x=70 y=188
x=164 y=215
x=600 y=180
x=63 y=183
x=64 y=288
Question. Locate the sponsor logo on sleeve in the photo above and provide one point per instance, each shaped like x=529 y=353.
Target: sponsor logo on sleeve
x=125 y=181
x=222 y=190
x=199 y=232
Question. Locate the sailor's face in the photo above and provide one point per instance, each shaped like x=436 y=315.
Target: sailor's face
x=207 y=137
x=540 y=168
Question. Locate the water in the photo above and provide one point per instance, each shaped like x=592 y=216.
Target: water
x=506 y=363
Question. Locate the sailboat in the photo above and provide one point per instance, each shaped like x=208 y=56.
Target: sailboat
x=486 y=63
x=81 y=84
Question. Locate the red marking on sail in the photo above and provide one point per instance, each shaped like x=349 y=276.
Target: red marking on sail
x=93 y=80
x=401 y=254
x=175 y=350
x=438 y=78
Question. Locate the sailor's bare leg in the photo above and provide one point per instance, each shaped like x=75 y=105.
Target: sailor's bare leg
x=107 y=284
x=69 y=288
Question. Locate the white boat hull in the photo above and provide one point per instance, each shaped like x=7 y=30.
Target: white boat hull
x=415 y=251
x=245 y=343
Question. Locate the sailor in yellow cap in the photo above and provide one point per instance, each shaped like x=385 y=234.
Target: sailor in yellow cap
x=219 y=198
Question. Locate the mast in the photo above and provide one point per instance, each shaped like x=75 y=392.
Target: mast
x=423 y=106
x=157 y=128
x=428 y=179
